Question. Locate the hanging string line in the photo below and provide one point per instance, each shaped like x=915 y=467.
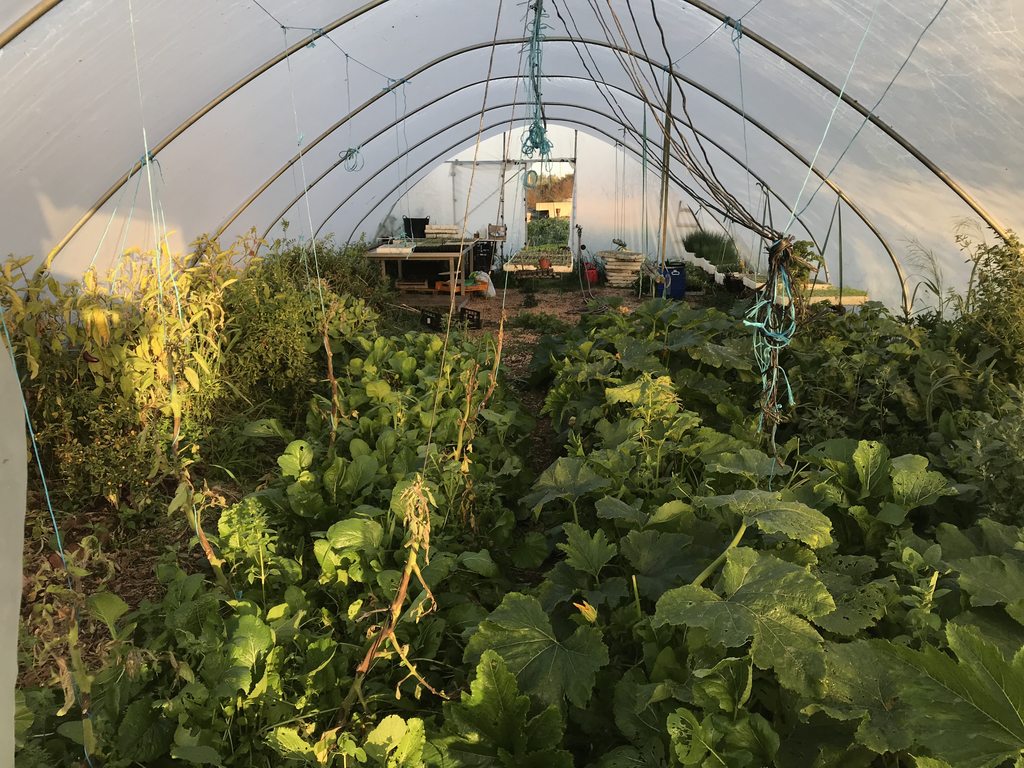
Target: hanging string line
x=149 y=171
x=737 y=38
x=535 y=140
x=305 y=184
x=505 y=152
x=832 y=117
x=106 y=229
x=123 y=242
x=465 y=221
x=875 y=106
x=714 y=31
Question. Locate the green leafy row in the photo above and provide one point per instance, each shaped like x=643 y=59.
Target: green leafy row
x=402 y=592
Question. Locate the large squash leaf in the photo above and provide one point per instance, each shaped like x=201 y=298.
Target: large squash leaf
x=568 y=478
x=767 y=602
x=992 y=580
x=548 y=668
x=967 y=711
x=491 y=725
x=772 y=514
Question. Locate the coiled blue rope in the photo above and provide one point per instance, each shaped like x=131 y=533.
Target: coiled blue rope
x=773 y=320
x=535 y=140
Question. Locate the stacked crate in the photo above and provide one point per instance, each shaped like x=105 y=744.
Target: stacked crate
x=621 y=268
x=443 y=232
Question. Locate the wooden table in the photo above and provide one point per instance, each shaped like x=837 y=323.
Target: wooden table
x=406 y=251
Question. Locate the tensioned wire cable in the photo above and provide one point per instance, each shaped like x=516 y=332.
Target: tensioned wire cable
x=713 y=32
x=325 y=36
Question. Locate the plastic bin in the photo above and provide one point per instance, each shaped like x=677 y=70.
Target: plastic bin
x=415 y=228
x=674 y=283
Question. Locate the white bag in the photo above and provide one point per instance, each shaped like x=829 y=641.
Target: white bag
x=483 y=277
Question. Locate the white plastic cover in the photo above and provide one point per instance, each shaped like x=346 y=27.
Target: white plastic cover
x=13 y=474
x=403 y=80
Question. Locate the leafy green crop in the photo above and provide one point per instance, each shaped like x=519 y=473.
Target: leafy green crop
x=400 y=590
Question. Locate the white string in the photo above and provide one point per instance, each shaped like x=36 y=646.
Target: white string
x=832 y=117
x=146 y=160
x=302 y=169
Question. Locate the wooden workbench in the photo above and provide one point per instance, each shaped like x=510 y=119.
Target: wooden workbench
x=402 y=252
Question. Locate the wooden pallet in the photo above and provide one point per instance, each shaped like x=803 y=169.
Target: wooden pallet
x=413 y=286
x=442 y=286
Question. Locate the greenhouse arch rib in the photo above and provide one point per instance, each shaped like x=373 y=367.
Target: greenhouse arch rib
x=572 y=123
x=698 y=4
x=438 y=156
x=29 y=18
x=436 y=133
x=680 y=79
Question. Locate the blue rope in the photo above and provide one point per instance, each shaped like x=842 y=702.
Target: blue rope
x=832 y=117
x=535 y=140
x=773 y=320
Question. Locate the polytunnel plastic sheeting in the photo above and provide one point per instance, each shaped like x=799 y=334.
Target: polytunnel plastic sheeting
x=461 y=102
x=13 y=478
x=81 y=124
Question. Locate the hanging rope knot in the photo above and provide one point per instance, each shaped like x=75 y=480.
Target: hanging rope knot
x=146 y=159
x=780 y=252
x=315 y=33
x=773 y=320
x=352 y=159
x=737 y=29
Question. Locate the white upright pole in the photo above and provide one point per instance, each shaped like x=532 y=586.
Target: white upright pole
x=13 y=471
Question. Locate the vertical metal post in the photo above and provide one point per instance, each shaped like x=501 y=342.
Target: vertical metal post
x=840 y=253
x=665 y=157
x=455 y=199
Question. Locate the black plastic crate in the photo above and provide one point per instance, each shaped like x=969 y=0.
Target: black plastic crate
x=433 y=319
x=471 y=317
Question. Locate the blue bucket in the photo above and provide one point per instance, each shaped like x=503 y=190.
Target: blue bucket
x=674 y=283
